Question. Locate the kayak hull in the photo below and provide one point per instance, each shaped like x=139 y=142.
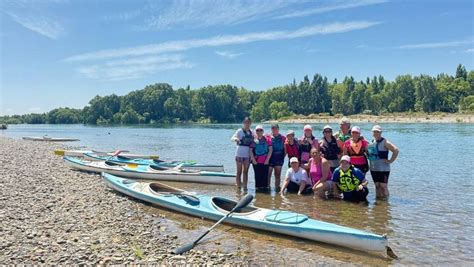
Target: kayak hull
x=48 y=139
x=80 y=153
x=257 y=218
x=143 y=161
x=143 y=172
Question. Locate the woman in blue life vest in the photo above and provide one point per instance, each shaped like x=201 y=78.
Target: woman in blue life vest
x=379 y=161
x=278 y=155
x=331 y=147
x=261 y=152
x=243 y=137
x=350 y=181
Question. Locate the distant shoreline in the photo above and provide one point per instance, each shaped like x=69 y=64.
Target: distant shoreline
x=386 y=118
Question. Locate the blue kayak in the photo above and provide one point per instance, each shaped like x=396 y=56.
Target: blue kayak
x=167 y=164
x=278 y=221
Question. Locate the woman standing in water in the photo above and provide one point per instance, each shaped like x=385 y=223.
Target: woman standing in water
x=379 y=162
x=291 y=146
x=260 y=156
x=356 y=149
x=278 y=155
x=306 y=143
x=243 y=137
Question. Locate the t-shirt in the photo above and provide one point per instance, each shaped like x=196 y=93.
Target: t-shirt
x=348 y=185
x=242 y=151
x=261 y=158
x=297 y=177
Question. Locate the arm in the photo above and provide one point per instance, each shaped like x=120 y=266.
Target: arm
x=269 y=155
x=361 y=177
x=235 y=137
x=325 y=170
x=344 y=149
x=335 y=185
x=285 y=183
x=394 y=150
x=308 y=164
x=252 y=156
x=340 y=144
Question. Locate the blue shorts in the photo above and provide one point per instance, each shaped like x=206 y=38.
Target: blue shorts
x=277 y=160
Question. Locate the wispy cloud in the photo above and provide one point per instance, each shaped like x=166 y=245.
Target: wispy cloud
x=124 y=16
x=33 y=15
x=223 y=40
x=133 y=68
x=470 y=50
x=330 y=8
x=39 y=24
x=228 y=54
x=201 y=13
x=435 y=45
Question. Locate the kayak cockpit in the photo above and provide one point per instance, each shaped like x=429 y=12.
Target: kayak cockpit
x=110 y=163
x=158 y=168
x=225 y=205
x=163 y=189
x=123 y=157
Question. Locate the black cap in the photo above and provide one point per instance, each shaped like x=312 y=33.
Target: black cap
x=275 y=126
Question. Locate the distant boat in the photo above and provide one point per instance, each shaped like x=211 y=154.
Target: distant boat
x=49 y=139
x=3 y=126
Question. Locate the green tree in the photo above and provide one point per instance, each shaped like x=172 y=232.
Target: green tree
x=279 y=110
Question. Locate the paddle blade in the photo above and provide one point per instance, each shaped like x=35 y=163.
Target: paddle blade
x=243 y=202
x=59 y=152
x=184 y=248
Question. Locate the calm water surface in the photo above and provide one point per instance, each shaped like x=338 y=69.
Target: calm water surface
x=428 y=219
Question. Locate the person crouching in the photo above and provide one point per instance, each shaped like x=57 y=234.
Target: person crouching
x=296 y=179
x=350 y=180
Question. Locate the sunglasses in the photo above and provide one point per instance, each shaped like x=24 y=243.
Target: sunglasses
x=327 y=132
x=259 y=130
x=314 y=153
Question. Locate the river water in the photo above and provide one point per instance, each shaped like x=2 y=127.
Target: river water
x=428 y=218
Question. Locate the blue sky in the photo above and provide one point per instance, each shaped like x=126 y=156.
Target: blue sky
x=62 y=53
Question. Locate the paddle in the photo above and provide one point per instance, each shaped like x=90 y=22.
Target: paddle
x=114 y=155
x=241 y=204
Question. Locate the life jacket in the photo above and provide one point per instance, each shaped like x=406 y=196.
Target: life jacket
x=261 y=147
x=306 y=146
x=292 y=150
x=343 y=137
x=351 y=151
x=247 y=139
x=374 y=151
x=277 y=144
x=330 y=150
x=347 y=180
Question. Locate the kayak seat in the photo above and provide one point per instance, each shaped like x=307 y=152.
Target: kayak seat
x=158 y=168
x=158 y=161
x=160 y=188
x=228 y=205
x=286 y=217
x=123 y=157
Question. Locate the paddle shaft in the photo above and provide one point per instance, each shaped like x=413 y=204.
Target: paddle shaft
x=214 y=226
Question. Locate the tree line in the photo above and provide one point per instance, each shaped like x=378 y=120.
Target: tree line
x=159 y=103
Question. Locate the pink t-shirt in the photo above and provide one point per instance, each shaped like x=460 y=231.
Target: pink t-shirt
x=262 y=158
x=355 y=151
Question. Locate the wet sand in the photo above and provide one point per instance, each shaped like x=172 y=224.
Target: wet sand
x=53 y=215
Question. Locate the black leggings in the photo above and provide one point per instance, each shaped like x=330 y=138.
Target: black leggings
x=261 y=176
x=359 y=196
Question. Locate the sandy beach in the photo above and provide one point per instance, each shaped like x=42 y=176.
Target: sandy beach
x=389 y=118
x=53 y=215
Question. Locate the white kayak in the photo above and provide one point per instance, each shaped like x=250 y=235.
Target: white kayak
x=49 y=139
x=151 y=172
x=81 y=153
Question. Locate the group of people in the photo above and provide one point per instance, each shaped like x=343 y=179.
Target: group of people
x=333 y=166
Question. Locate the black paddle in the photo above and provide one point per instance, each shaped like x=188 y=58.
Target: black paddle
x=241 y=204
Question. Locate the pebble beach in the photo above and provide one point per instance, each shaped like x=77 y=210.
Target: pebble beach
x=53 y=215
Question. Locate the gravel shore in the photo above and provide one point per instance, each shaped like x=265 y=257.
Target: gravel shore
x=53 y=215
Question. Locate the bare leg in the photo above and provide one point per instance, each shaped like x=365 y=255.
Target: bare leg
x=238 y=181
x=277 y=177
x=384 y=190
x=270 y=171
x=302 y=187
x=245 y=173
x=319 y=190
x=378 y=190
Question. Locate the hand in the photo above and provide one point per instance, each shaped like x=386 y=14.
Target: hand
x=266 y=163
x=299 y=193
x=387 y=161
x=360 y=188
x=254 y=162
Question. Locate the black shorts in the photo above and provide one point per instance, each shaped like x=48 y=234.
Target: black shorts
x=380 y=177
x=277 y=160
x=294 y=188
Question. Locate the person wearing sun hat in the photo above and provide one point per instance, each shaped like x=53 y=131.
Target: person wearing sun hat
x=278 y=155
x=331 y=147
x=296 y=179
x=291 y=146
x=306 y=143
x=261 y=152
x=378 y=151
x=350 y=181
x=243 y=138
x=356 y=148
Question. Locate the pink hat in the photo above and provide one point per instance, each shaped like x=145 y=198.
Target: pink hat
x=307 y=127
x=259 y=127
x=346 y=158
x=356 y=129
